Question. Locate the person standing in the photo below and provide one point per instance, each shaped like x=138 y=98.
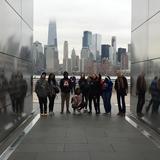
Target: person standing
x=42 y=91
x=152 y=88
x=140 y=91
x=83 y=84
x=156 y=96
x=53 y=88
x=121 y=87
x=106 y=94
x=65 y=86
x=21 y=91
x=73 y=84
x=99 y=91
x=93 y=89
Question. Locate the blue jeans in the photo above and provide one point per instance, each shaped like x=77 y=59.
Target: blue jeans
x=107 y=101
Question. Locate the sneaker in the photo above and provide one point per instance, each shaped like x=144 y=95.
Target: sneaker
x=85 y=110
x=68 y=112
x=123 y=114
x=140 y=114
x=45 y=114
x=119 y=113
x=90 y=112
x=42 y=114
x=61 y=112
x=51 y=114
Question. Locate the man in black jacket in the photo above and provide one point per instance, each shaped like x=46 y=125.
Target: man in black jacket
x=65 y=86
x=93 y=92
x=121 y=87
x=83 y=84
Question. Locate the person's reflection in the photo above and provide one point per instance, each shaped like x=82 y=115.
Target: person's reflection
x=21 y=90
x=152 y=89
x=156 y=97
x=12 y=91
x=3 y=91
x=140 y=91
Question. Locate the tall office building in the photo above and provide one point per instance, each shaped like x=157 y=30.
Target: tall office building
x=52 y=34
x=105 y=48
x=114 y=46
x=96 y=45
x=52 y=45
x=16 y=39
x=73 y=61
x=145 y=55
x=65 y=56
x=87 y=39
x=38 y=58
x=51 y=56
x=119 y=53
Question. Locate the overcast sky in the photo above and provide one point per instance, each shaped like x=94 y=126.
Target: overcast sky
x=106 y=17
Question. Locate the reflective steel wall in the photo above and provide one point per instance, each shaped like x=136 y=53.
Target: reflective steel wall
x=16 y=27
x=145 y=51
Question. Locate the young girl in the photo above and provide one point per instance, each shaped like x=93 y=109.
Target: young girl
x=76 y=101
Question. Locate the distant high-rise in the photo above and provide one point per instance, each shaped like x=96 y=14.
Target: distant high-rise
x=38 y=58
x=73 y=60
x=87 y=39
x=119 y=53
x=52 y=34
x=105 y=49
x=65 y=56
x=114 y=46
x=96 y=45
x=52 y=62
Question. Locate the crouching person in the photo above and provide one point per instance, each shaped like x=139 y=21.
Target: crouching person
x=42 y=91
x=76 y=101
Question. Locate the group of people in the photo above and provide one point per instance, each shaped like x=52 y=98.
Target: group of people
x=16 y=87
x=88 y=91
x=154 y=89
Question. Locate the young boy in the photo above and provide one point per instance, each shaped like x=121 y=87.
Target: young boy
x=76 y=101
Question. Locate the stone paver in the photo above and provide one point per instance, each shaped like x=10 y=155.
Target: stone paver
x=87 y=137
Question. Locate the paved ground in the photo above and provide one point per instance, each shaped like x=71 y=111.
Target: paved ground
x=87 y=137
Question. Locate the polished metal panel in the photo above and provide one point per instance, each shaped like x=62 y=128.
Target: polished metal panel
x=10 y=32
x=145 y=55
x=16 y=4
x=154 y=7
x=27 y=6
x=140 y=44
x=139 y=12
x=16 y=37
x=154 y=37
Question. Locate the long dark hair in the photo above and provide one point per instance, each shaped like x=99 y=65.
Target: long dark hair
x=52 y=79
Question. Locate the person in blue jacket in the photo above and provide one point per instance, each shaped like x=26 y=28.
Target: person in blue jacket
x=106 y=94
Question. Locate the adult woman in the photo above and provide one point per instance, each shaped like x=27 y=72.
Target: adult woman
x=42 y=90
x=52 y=92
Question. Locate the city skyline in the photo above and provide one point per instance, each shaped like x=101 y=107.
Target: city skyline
x=107 y=20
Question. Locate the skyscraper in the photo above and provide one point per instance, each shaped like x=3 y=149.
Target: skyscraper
x=73 y=60
x=38 y=58
x=52 y=47
x=65 y=56
x=119 y=53
x=96 y=45
x=114 y=46
x=105 y=51
x=87 y=39
x=52 y=34
x=52 y=62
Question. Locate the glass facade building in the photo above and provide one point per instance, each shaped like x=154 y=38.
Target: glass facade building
x=145 y=56
x=16 y=34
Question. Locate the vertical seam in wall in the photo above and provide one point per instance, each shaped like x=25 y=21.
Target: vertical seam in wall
x=19 y=15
